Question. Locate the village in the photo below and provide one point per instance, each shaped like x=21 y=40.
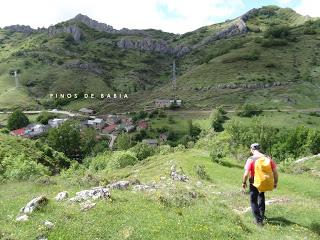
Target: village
x=109 y=125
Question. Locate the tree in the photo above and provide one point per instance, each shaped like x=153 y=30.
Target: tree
x=44 y=117
x=17 y=120
x=124 y=141
x=66 y=139
x=249 y=110
x=216 y=120
x=88 y=141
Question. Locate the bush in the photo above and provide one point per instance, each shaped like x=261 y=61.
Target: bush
x=249 y=56
x=201 y=172
x=249 y=110
x=44 y=117
x=100 y=162
x=122 y=159
x=216 y=120
x=124 y=141
x=66 y=139
x=17 y=120
x=278 y=31
x=271 y=42
x=22 y=168
x=143 y=150
x=165 y=149
x=217 y=153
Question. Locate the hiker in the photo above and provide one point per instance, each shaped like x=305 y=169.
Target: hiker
x=263 y=177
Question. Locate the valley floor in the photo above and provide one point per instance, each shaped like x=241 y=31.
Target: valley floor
x=217 y=212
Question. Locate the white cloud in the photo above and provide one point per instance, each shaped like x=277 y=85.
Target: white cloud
x=120 y=13
x=309 y=7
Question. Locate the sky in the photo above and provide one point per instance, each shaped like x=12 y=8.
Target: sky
x=177 y=16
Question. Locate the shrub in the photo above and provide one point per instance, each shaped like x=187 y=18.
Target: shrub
x=249 y=110
x=249 y=56
x=216 y=120
x=217 y=153
x=44 y=117
x=165 y=149
x=278 y=31
x=179 y=148
x=17 y=120
x=100 y=162
x=122 y=159
x=201 y=172
x=124 y=141
x=22 y=168
x=271 y=42
x=66 y=139
x=143 y=150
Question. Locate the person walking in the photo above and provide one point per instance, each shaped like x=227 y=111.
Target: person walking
x=266 y=179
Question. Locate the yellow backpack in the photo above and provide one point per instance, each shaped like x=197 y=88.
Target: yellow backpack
x=263 y=174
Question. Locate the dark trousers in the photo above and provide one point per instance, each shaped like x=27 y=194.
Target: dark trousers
x=257 y=202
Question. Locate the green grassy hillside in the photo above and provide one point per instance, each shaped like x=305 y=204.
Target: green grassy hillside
x=273 y=61
x=217 y=211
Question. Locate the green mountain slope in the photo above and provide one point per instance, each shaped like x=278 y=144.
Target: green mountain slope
x=230 y=63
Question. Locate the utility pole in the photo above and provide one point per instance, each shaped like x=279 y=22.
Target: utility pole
x=16 y=79
x=174 y=80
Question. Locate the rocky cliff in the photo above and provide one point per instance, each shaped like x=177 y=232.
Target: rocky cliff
x=148 y=44
x=20 y=28
x=74 y=30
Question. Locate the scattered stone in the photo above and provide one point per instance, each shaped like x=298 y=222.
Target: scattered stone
x=120 y=185
x=94 y=193
x=162 y=178
x=34 y=204
x=62 y=196
x=22 y=218
x=49 y=225
x=268 y=202
x=199 y=183
x=42 y=238
x=144 y=187
x=85 y=206
x=175 y=175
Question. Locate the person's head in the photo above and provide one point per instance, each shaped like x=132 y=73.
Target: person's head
x=255 y=147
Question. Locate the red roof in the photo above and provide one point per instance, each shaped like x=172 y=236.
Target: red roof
x=110 y=128
x=18 y=132
x=143 y=125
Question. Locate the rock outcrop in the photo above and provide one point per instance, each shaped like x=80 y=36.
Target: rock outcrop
x=94 y=193
x=148 y=44
x=178 y=175
x=107 y=28
x=85 y=66
x=94 y=24
x=74 y=30
x=236 y=27
x=61 y=196
x=34 y=204
x=20 y=28
x=257 y=85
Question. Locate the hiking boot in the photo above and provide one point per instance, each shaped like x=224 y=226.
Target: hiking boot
x=258 y=224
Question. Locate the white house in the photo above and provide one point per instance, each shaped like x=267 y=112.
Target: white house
x=56 y=122
x=97 y=123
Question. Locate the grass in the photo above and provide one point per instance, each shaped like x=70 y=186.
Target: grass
x=141 y=215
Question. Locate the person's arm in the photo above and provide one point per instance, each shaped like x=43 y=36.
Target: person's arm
x=244 y=179
x=275 y=176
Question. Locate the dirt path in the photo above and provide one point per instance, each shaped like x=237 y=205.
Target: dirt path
x=268 y=202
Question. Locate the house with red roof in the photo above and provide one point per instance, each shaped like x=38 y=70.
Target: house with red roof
x=18 y=132
x=109 y=129
x=142 y=125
